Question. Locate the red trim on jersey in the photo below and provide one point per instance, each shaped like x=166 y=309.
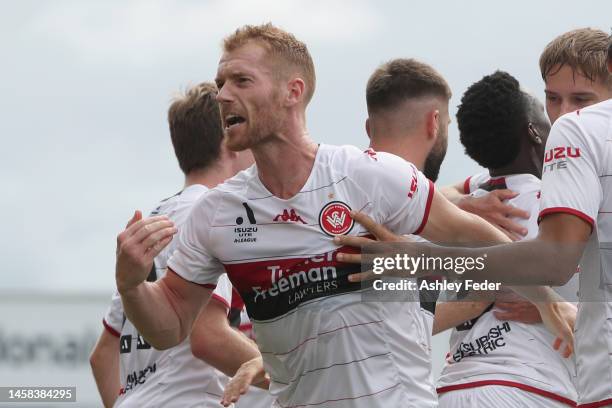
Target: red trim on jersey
x=221 y=299
x=504 y=383
x=427 y=208
x=237 y=302
x=566 y=210
x=596 y=404
x=110 y=329
x=245 y=326
x=466 y=185
x=206 y=285
x=497 y=181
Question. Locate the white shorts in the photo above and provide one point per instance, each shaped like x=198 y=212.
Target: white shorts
x=497 y=396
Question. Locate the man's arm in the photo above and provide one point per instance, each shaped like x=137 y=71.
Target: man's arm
x=217 y=343
x=491 y=207
x=452 y=314
x=104 y=361
x=454 y=193
x=163 y=312
x=449 y=224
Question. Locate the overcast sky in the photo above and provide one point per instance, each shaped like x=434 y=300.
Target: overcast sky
x=85 y=87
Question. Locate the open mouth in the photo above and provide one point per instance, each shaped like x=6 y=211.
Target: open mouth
x=233 y=120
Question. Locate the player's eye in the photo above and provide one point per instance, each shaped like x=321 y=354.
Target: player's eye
x=552 y=98
x=581 y=100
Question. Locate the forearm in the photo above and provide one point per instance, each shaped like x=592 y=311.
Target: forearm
x=452 y=314
x=104 y=362
x=106 y=375
x=148 y=307
x=474 y=229
x=521 y=263
x=452 y=193
x=231 y=350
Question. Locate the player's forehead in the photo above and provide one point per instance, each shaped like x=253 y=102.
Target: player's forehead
x=249 y=58
x=569 y=80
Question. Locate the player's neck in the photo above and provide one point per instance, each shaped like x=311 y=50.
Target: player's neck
x=285 y=163
x=400 y=146
x=209 y=177
x=516 y=167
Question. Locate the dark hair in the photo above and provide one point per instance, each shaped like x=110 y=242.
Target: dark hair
x=195 y=127
x=491 y=118
x=401 y=79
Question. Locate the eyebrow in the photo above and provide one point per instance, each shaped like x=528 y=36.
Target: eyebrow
x=585 y=93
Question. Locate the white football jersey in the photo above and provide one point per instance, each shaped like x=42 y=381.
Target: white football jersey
x=487 y=351
x=577 y=180
x=322 y=345
x=173 y=377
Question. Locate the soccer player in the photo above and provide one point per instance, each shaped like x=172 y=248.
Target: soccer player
x=575 y=226
x=272 y=230
x=408 y=116
x=573 y=67
x=493 y=362
x=173 y=377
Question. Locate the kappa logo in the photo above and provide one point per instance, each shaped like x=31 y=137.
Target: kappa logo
x=335 y=218
x=289 y=216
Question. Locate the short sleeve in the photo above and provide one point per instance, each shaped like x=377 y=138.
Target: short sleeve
x=402 y=195
x=223 y=291
x=191 y=259
x=570 y=179
x=113 y=319
x=473 y=183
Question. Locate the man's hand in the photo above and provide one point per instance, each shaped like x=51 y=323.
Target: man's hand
x=381 y=233
x=560 y=318
x=140 y=242
x=492 y=208
x=250 y=373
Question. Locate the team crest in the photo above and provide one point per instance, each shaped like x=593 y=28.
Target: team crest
x=335 y=218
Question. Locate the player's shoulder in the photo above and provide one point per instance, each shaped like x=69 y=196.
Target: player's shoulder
x=180 y=202
x=368 y=163
x=593 y=124
x=523 y=183
x=236 y=185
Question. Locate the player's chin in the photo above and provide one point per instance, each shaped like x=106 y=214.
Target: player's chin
x=236 y=141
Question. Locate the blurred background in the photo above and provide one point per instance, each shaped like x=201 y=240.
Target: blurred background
x=84 y=90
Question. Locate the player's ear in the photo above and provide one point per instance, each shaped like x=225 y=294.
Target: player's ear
x=367 y=125
x=534 y=135
x=432 y=123
x=295 y=91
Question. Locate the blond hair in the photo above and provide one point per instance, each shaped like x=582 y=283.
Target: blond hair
x=584 y=50
x=279 y=44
